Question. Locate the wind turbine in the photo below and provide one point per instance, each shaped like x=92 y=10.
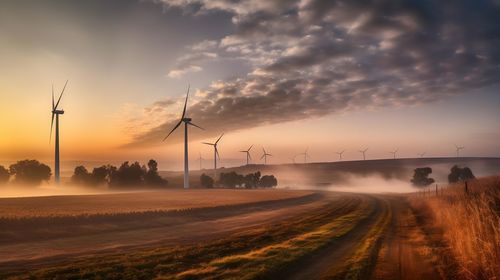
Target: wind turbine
x=340 y=154
x=306 y=155
x=458 y=148
x=216 y=152
x=248 y=154
x=421 y=154
x=200 y=159
x=56 y=112
x=265 y=155
x=364 y=153
x=293 y=159
x=187 y=121
x=394 y=152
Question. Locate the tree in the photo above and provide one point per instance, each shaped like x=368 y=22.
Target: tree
x=99 y=175
x=420 y=177
x=231 y=179
x=80 y=176
x=268 y=181
x=128 y=175
x=4 y=175
x=206 y=181
x=460 y=174
x=252 y=180
x=30 y=172
x=152 y=178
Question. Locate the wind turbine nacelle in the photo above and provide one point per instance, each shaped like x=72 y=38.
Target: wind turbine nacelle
x=59 y=112
x=186 y=119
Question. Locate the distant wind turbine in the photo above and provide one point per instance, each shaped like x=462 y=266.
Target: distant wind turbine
x=293 y=159
x=200 y=159
x=394 y=152
x=340 y=154
x=458 y=148
x=364 y=153
x=265 y=155
x=421 y=154
x=187 y=121
x=249 y=157
x=305 y=154
x=216 y=152
x=56 y=112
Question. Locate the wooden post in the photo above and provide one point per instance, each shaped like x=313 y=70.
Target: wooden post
x=466 y=188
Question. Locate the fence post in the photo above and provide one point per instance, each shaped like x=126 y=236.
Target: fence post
x=466 y=188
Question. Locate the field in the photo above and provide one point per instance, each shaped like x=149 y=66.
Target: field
x=248 y=234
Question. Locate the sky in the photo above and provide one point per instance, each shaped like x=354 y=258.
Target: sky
x=418 y=76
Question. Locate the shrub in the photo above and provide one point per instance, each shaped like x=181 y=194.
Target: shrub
x=268 y=181
x=460 y=174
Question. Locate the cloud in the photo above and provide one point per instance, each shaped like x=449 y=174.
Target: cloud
x=312 y=58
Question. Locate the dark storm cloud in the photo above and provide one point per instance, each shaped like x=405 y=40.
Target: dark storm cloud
x=313 y=58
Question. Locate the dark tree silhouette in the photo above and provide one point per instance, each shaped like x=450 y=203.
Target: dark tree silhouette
x=128 y=175
x=231 y=179
x=4 y=175
x=268 y=181
x=99 y=175
x=206 y=181
x=252 y=180
x=152 y=178
x=30 y=172
x=420 y=177
x=80 y=176
x=460 y=174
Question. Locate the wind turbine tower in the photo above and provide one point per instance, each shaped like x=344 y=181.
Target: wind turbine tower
x=305 y=154
x=216 y=153
x=458 y=148
x=340 y=154
x=200 y=159
x=249 y=157
x=187 y=121
x=394 y=153
x=265 y=155
x=56 y=112
x=364 y=153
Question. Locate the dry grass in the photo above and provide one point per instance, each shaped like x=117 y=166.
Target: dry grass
x=469 y=223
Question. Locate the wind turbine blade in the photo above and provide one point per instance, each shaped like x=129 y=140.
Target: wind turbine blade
x=62 y=92
x=219 y=138
x=249 y=148
x=51 y=126
x=249 y=156
x=262 y=156
x=53 y=105
x=270 y=155
x=242 y=151
x=217 y=152
x=211 y=144
x=185 y=103
x=190 y=123
x=175 y=127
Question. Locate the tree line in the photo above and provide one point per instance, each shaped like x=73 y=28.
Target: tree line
x=33 y=172
x=234 y=180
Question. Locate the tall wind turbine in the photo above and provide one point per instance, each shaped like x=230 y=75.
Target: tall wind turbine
x=458 y=148
x=265 y=155
x=305 y=154
x=421 y=155
x=56 y=112
x=248 y=154
x=364 y=153
x=216 y=152
x=394 y=152
x=187 y=121
x=340 y=154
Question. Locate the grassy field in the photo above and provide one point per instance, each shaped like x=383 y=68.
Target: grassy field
x=266 y=251
x=468 y=223
x=167 y=200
